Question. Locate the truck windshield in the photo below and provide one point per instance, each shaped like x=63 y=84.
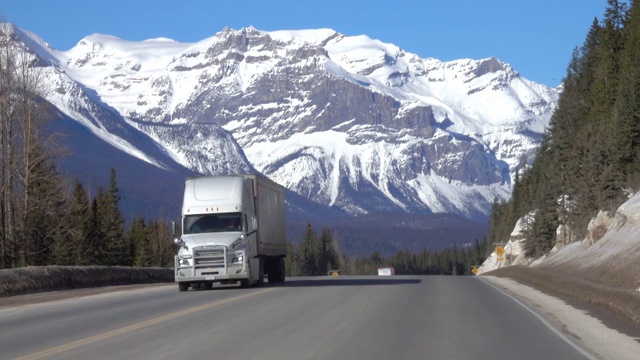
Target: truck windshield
x=208 y=223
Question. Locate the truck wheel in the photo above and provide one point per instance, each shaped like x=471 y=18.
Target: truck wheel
x=261 y=272
x=183 y=286
x=281 y=270
x=244 y=283
x=272 y=271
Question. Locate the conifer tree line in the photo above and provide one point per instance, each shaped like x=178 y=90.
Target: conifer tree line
x=589 y=157
x=314 y=255
x=317 y=255
x=86 y=231
x=98 y=235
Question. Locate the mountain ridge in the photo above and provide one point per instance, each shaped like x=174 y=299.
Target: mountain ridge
x=347 y=122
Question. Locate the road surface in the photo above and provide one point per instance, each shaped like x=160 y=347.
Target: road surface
x=394 y=317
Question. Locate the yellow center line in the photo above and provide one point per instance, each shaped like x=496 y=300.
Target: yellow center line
x=126 y=329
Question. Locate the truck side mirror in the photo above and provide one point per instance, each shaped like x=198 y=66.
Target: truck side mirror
x=172 y=226
x=180 y=242
x=254 y=223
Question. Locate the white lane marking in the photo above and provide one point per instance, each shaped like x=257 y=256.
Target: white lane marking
x=341 y=327
x=545 y=322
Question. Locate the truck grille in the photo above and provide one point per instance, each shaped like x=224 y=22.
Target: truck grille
x=210 y=256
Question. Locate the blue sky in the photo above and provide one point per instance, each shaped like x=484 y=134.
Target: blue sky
x=536 y=37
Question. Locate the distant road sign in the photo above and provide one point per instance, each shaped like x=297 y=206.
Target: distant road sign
x=475 y=270
x=499 y=251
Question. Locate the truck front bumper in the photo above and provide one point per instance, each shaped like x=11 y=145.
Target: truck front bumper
x=210 y=263
x=190 y=274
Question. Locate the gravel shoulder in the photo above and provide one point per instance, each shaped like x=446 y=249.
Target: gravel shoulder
x=613 y=303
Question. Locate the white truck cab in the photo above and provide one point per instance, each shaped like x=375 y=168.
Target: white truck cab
x=232 y=231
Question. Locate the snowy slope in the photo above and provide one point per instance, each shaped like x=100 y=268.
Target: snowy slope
x=611 y=242
x=346 y=121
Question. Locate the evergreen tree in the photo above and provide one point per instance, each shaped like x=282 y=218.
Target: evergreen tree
x=566 y=155
x=610 y=183
x=627 y=107
x=71 y=251
x=111 y=221
x=44 y=220
x=327 y=258
x=375 y=261
x=307 y=253
x=403 y=263
x=498 y=223
x=540 y=234
x=93 y=248
x=290 y=265
x=139 y=237
x=425 y=262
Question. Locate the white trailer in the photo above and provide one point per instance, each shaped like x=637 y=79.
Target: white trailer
x=233 y=230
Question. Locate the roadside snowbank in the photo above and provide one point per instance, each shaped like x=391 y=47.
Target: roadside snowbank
x=610 y=254
x=612 y=244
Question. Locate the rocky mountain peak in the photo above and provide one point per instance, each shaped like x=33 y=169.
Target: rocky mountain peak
x=490 y=65
x=344 y=121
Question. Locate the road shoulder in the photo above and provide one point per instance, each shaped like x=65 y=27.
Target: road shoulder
x=47 y=296
x=583 y=328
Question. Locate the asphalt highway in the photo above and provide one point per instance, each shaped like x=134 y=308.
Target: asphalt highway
x=395 y=317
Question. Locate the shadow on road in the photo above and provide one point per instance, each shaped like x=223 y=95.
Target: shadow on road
x=327 y=281
x=345 y=281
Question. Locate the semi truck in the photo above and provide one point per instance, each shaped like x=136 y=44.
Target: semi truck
x=233 y=231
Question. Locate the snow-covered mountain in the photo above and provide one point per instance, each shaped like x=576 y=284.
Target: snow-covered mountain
x=346 y=121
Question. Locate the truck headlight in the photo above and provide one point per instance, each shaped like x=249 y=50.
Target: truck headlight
x=237 y=258
x=183 y=261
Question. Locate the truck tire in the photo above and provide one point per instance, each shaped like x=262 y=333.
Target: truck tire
x=261 y=272
x=183 y=286
x=272 y=270
x=281 y=270
x=244 y=283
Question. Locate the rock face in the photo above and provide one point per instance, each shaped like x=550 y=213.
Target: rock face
x=513 y=250
x=346 y=122
x=610 y=249
x=599 y=226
